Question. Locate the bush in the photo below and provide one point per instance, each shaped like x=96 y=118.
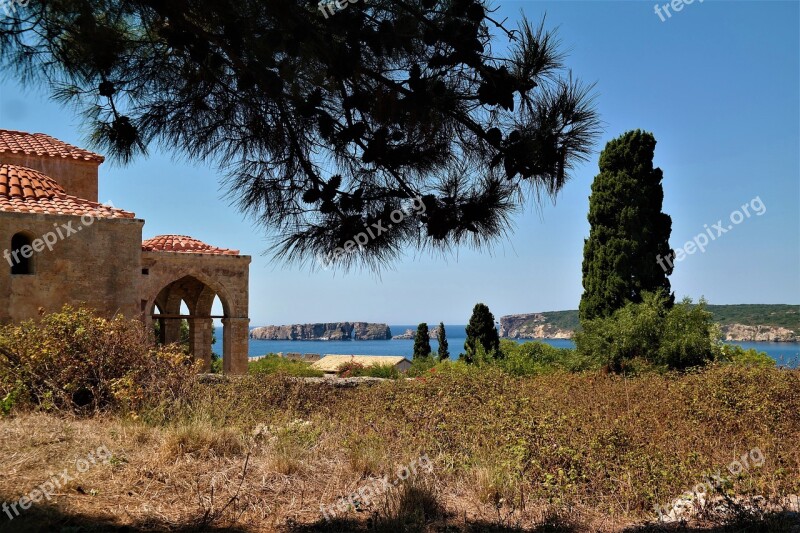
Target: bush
x=689 y=336
x=76 y=360
x=420 y=366
x=350 y=369
x=532 y=358
x=353 y=369
x=735 y=354
x=678 y=338
x=216 y=364
x=382 y=371
x=273 y=363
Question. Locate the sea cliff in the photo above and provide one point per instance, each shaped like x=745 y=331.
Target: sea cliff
x=531 y=326
x=740 y=332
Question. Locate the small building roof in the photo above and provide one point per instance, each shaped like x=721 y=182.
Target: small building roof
x=332 y=362
x=16 y=142
x=183 y=244
x=24 y=190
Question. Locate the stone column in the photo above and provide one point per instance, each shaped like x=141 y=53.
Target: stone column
x=200 y=341
x=171 y=330
x=235 y=345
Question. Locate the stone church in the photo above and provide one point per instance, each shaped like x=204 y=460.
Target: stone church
x=61 y=246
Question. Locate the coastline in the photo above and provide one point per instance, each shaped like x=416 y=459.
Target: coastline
x=785 y=353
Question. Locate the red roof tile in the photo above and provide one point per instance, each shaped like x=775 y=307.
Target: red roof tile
x=17 y=142
x=24 y=190
x=183 y=244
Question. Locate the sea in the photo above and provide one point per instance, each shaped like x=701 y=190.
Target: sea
x=785 y=353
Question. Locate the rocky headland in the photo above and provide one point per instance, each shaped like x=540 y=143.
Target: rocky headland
x=331 y=331
x=531 y=326
x=540 y=326
x=740 y=332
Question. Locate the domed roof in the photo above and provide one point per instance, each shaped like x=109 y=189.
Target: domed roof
x=22 y=182
x=183 y=244
x=24 y=190
x=21 y=142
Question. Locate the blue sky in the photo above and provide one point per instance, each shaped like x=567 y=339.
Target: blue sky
x=718 y=84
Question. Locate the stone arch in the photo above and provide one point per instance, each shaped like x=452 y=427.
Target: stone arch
x=229 y=305
x=198 y=291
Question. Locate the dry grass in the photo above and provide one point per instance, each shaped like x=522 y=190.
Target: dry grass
x=551 y=453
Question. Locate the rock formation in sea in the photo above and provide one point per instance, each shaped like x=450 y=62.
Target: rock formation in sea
x=331 y=331
x=409 y=334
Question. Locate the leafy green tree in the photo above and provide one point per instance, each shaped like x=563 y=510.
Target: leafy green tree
x=628 y=250
x=422 y=342
x=441 y=336
x=481 y=331
x=325 y=122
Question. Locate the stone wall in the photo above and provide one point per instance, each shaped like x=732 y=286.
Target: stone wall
x=98 y=265
x=296 y=356
x=78 y=177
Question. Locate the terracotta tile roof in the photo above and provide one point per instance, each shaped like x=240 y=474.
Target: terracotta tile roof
x=183 y=244
x=24 y=190
x=16 y=142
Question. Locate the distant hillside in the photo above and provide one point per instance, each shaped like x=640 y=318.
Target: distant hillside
x=563 y=319
x=561 y=324
x=785 y=316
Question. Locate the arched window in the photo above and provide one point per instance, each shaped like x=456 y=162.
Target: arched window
x=21 y=255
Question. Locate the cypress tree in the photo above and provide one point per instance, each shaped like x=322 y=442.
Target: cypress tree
x=628 y=250
x=481 y=331
x=444 y=352
x=422 y=342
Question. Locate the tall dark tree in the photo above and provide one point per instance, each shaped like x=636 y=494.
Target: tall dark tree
x=441 y=337
x=422 y=342
x=628 y=250
x=327 y=121
x=481 y=331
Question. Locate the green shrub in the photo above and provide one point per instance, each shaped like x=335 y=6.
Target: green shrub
x=532 y=358
x=678 y=338
x=350 y=369
x=453 y=368
x=7 y=403
x=735 y=354
x=273 y=363
x=689 y=336
x=420 y=365
x=216 y=364
x=76 y=360
x=382 y=371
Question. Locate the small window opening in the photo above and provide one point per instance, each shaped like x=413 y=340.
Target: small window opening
x=21 y=255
